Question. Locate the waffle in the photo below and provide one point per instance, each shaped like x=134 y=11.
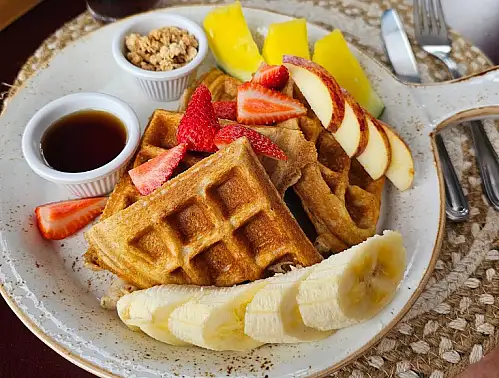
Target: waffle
x=221 y=222
x=160 y=135
x=338 y=195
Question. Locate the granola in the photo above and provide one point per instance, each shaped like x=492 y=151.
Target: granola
x=162 y=49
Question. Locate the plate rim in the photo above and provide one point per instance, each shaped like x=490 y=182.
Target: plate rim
x=102 y=372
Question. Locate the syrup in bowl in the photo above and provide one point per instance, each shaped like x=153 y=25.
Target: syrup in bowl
x=83 y=141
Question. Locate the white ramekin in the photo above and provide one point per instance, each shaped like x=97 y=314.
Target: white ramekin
x=92 y=183
x=167 y=85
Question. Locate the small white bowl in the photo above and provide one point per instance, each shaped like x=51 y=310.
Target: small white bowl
x=164 y=85
x=96 y=182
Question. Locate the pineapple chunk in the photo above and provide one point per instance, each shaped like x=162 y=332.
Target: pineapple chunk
x=286 y=38
x=231 y=41
x=332 y=53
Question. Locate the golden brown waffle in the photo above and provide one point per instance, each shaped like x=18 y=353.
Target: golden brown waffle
x=338 y=195
x=221 y=222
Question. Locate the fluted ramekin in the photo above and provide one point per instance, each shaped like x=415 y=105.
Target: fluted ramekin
x=96 y=182
x=160 y=85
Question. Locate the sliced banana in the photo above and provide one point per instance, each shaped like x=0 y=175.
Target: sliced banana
x=215 y=320
x=273 y=315
x=149 y=310
x=353 y=285
x=303 y=305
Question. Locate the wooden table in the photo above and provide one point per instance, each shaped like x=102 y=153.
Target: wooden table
x=23 y=355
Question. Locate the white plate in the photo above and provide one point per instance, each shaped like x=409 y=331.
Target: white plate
x=47 y=286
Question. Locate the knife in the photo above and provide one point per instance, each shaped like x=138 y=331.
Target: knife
x=401 y=56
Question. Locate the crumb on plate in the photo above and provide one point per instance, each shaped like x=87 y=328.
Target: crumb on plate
x=118 y=289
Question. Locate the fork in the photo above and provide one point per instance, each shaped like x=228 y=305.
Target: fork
x=431 y=34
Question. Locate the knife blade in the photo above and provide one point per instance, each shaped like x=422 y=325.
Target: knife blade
x=401 y=56
x=398 y=47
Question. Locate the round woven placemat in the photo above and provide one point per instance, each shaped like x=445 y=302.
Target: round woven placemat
x=456 y=319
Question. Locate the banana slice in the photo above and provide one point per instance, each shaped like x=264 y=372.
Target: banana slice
x=273 y=315
x=354 y=285
x=149 y=310
x=215 y=320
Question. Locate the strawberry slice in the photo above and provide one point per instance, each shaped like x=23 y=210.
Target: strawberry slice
x=272 y=77
x=260 y=143
x=257 y=105
x=58 y=220
x=155 y=172
x=199 y=124
x=226 y=110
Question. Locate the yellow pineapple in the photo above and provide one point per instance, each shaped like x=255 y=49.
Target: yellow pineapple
x=231 y=41
x=332 y=53
x=286 y=38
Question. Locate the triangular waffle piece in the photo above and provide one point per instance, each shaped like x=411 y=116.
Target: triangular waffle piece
x=160 y=135
x=300 y=152
x=222 y=222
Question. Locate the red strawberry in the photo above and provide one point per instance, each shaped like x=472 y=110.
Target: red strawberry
x=257 y=105
x=260 y=143
x=155 y=172
x=199 y=124
x=273 y=77
x=226 y=110
x=58 y=220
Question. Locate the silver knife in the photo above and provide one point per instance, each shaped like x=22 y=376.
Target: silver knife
x=402 y=58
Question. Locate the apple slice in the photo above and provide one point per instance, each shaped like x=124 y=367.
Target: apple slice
x=321 y=91
x=377 y=156
x=353 y=133
x=401 y=169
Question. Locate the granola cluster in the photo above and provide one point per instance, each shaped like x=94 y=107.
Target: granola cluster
x=162 y=49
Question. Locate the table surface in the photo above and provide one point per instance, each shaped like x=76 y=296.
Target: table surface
x=23 y=355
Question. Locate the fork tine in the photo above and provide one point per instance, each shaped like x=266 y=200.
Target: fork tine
x=441 y=18
x=432 y=18
x=424 y=16
x=417 y=17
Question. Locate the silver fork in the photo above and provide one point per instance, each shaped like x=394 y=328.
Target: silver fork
x=431 y=34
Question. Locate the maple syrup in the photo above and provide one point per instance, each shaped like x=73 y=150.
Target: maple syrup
x=82 y=141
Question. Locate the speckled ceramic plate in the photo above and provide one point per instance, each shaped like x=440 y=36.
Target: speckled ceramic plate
x=47 y=286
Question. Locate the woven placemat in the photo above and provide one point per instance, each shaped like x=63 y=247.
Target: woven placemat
x=454 y=322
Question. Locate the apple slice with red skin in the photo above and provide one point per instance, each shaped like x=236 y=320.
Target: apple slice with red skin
x=317 y=84
x=401 y=169
x=353 y=133
x=377 y=156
